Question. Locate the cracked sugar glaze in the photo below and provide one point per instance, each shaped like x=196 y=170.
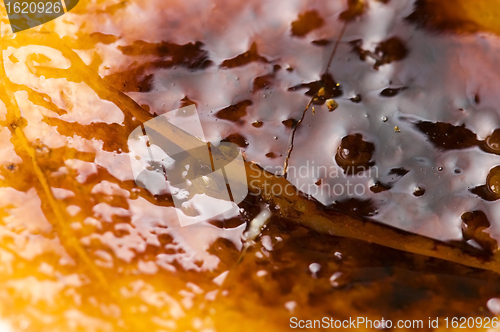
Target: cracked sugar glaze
x=415 y=94
x=410 y=142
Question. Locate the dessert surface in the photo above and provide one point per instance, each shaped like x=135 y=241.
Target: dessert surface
x=401 y=130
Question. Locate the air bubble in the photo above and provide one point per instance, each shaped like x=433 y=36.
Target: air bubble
x=314 y=268
x=493 y=141
x=334 y=278
x=418 y=191
x=493 y=180
x=354 y=154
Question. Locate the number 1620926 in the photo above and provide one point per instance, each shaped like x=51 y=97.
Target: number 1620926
x=33 y=7
x=472 y=322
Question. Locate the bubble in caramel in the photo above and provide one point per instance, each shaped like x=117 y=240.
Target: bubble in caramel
x=354 y=154
x=493 y=180
x=493 y=141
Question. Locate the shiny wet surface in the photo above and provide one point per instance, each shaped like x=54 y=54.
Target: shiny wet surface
x=84 y=248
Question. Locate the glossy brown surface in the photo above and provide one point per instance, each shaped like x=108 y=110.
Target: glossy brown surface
x=83 y=248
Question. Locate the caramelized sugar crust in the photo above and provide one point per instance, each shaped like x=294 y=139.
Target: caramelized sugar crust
x=83 y=248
